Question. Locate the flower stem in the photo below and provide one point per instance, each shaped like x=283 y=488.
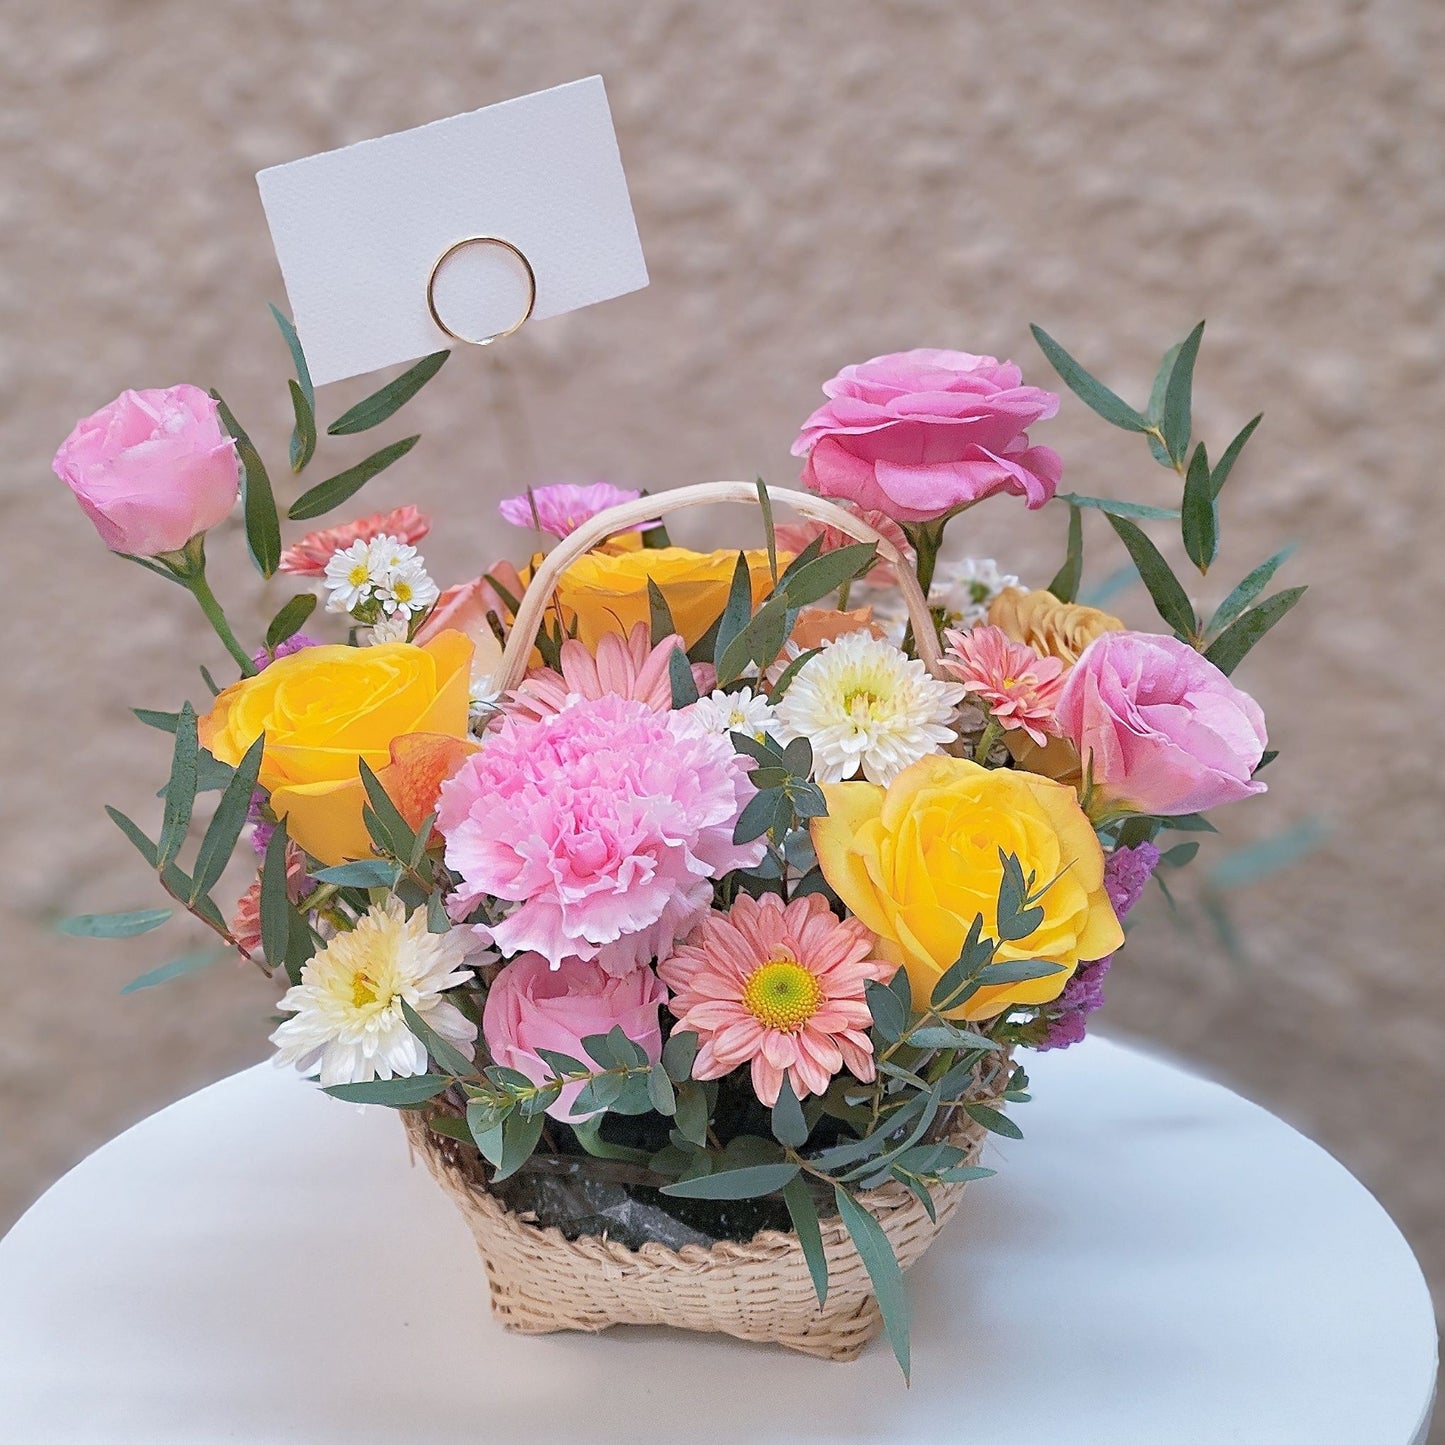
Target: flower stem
x=200 y=589
x=992 y=732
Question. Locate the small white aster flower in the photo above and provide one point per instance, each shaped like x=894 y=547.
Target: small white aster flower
x=390 y=629
x=483 y=702
x=348 y=1021
x=350 y=577
x=862 y=703
x=407 y=587
x=965 y=596
x=736 y=712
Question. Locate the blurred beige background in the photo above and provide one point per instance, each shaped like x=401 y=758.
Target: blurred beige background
x=813 y=184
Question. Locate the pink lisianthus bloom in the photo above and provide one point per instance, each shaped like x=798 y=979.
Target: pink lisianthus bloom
x=794 y=537
x=563 y=507
x=1165 y=730
x=309 y=556
x=152 y=469
x=920 y=434
x=633 y=669
x=1020 y=688
x=779 y=987
x=605 y=824
x=532 y=1005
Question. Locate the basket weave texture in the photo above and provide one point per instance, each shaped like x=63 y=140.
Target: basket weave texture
x=541 y=1281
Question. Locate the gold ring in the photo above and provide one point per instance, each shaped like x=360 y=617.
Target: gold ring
x=446 y=255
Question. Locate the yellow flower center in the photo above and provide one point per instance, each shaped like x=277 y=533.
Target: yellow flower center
x=856 y=695
x=360 y=571
x=364 y=991
x=402 y=590
x=782 y=995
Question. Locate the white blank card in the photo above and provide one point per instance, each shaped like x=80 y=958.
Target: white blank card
x=358 y=230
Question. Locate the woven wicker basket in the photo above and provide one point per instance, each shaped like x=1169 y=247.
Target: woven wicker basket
x=541 y=1281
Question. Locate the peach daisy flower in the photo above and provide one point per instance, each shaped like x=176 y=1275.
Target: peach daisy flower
x=634 y=669
x=778 y=986
x=1020 y=688
x=309 y=556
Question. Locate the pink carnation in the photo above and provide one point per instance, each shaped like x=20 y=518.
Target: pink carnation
x=309 y=556
x=562 y=508
x=1020 y=688
x=921 y=434
x=532 y=1006
x=606 y=824
x=633 y=669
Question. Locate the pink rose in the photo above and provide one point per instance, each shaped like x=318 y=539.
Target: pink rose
x=1168 y=731
x=920 y=434
x=531 y=1006
x=152 y=469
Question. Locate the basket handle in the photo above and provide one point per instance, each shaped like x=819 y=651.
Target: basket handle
x=513 y=666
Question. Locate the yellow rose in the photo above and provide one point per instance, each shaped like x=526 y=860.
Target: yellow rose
x=608 y=593
x=918 y=861
x=1052 y=628
x=322 y=709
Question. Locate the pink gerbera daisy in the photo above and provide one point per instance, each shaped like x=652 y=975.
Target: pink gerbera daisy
x=1020 y=688
x=633 y=669
x=562 y=508
x=309 y=556
x=778 y=986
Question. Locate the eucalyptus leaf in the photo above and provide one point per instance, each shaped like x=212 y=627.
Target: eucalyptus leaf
x=882 y=1265
x=258 y=503
x=181 y=789
x=993 y=1121
x=661 y=1092
x=364 y=873
x=165 y=722
x=384 y=403
x=1170 y=599
x=396 y=1093
x=1093 y=393
x=1225 y=465
x=187 y=963
x=450 y=1059
x=679 y=673
x=1176 y=420
x=750 y=1182
x=1231 y=647
x=736 y=614
x=227 y=822
x=1070 y=576
x=1113 y=507
x=661 y=624
x=1200 y=513
x=114 y=925
x=790 y=1129
x=519 y=1138
x=890 y=1016
x=275 y=906
x=303 y=434
x=344 y=485
x=298 y=356
x=1235 y=604
x=770 y=535
x=804 y=1214
x=290 y=620
x=678 y=1054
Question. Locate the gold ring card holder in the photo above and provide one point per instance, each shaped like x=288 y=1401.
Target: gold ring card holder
x=451 y=251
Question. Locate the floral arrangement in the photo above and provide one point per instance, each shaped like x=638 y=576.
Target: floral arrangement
x=753 y=871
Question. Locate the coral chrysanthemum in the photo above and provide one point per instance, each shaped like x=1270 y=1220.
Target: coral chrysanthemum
x=562 y=508
x=348 y=1021
x=780 y=987
x=1020 y=688
x=605 y=823
x=863 y=704
x=633 y=669
x=309 y=556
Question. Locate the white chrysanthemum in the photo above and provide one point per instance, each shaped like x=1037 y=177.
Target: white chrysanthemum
x=348 y=1020
x=965 y=595
x=406 y=586
x=736 y=712
x=389 y=629
x=351 y=576
x=864 y=704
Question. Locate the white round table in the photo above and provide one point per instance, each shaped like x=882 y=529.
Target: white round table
x=1159 y=1263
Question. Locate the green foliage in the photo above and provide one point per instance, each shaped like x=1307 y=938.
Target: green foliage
x=679 y=675
x=789 y=1127
x=344 y=485
x=1094 y=394
x=661 y=624
x=303 y=396
x=1200 y=516
x=258 y=503
x=1233 y=645
x=226 y=823
x=381 y=405
x=804 y=1214
x=749 y=1182
x=404 y=1093
x=1069 y=577
x=447 y=1057
x=1114 y=507
x=1175 y=420
x=181 y=789
x=187 y=963
x=1170 y=599
x=114 y=925
x=882 y=1265
x=290 y=620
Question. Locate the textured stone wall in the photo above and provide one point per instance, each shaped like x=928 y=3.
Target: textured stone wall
x=814 y=184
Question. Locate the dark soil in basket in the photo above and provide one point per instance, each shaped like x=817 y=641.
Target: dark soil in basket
x=580 y=1195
